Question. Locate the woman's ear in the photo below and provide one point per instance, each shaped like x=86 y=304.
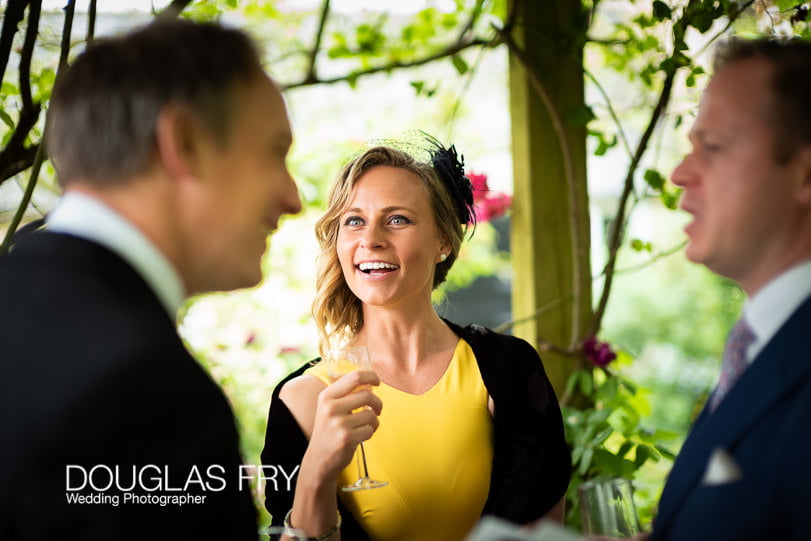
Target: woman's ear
x=445 y=249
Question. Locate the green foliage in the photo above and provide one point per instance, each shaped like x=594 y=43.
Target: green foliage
x=608 y=438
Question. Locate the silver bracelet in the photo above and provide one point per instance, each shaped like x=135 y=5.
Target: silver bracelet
x=324 y=536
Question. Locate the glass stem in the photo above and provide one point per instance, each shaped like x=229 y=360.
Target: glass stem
x=362 y=473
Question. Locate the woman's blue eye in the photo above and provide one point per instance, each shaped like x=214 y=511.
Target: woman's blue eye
x=353 y=221
x=399 y=220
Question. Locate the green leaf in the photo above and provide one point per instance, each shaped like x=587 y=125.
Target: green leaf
x=580 y=115
x=671 y=199
x=585 y=460
x=665 y=452
x=586 y=383
x=460 y=64
x=418 y=86
x=7 y=88
x=572 y=381
x=603 y=143
x=642 y=455
x=661 y=11
x=654 y=179
x=7 y=120
x=600 y=437
x=641 y=246
x=624 y=448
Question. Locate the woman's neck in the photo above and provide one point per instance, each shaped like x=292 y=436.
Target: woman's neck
x=404 y=341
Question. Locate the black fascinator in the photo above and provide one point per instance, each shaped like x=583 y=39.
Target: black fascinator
x=450 y=167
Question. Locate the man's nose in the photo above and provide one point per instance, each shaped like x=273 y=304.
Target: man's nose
x=292 y=201
x=683 y=174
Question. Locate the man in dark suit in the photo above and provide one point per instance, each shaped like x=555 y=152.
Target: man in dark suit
x=745 y=468
x=170 y=143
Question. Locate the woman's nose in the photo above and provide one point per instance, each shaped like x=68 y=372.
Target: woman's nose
x=373 y=237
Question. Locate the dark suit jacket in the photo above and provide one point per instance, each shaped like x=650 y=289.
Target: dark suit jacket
x=764 y=424
x=94 y=374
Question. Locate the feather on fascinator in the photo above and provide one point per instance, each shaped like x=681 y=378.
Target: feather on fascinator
x=451 y=170
x=446 y=162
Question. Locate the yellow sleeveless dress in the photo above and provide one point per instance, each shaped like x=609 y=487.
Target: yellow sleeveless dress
x=436 y=452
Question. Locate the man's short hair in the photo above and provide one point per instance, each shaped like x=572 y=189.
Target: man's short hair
x=104 y=107
x=791 y=85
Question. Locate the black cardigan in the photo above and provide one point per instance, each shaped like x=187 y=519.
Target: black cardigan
x=531 y=461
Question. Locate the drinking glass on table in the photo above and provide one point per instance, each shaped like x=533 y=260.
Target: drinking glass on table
x=607 y=508
x=341 y=361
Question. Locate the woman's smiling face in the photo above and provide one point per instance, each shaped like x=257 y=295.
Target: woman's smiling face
x=388 y=241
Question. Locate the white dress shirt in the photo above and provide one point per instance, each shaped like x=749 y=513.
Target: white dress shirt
x=771 y=307
x=84 y=216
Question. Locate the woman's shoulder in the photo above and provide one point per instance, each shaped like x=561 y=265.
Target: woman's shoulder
x=299 y=392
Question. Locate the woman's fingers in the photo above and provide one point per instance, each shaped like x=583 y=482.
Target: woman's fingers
x=347 y=383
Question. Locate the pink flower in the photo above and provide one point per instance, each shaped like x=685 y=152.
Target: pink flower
x=599 y=353
x=486 y=204
x=479 y=182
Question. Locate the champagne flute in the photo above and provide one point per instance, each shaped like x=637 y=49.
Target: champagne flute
x=339 y=362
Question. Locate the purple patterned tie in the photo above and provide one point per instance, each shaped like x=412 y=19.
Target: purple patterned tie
x=735 y=363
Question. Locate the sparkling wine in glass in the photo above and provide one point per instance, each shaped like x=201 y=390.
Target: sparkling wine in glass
x=339 y=362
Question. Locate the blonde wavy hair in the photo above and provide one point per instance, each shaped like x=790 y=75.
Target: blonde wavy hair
x=337 y=311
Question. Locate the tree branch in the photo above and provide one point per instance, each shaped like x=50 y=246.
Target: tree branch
x=15 y=157
x=174 y=9
x=32 y=28
x=67 y=30
x=91 y=23
x=474 y=16
x=311 y=71
x=447 y=51
x=618 y=227
x=29 y=191
x=653 y=259
x=611 y=112
x=15 y=11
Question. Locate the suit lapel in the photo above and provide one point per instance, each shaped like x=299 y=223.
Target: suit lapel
x=781 y=366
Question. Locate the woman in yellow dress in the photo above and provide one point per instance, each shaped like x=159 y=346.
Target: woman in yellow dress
x=459 y=421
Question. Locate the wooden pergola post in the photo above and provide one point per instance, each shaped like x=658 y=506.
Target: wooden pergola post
x=550 y=221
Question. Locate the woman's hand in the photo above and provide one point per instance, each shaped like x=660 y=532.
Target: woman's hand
x=325 y=415
x=346 y=414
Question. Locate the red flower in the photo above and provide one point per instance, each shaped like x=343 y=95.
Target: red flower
x=486 y=204
x=599 y=353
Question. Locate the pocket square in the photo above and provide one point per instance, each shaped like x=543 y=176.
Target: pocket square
x=721 y=469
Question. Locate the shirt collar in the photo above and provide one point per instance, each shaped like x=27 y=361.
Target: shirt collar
x=84 y=216
x=772 y=306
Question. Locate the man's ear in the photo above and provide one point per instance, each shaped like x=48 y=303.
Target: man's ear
x=178 y=141
x=804 y=182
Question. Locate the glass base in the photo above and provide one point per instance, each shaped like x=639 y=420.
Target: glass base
x=364 y=483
